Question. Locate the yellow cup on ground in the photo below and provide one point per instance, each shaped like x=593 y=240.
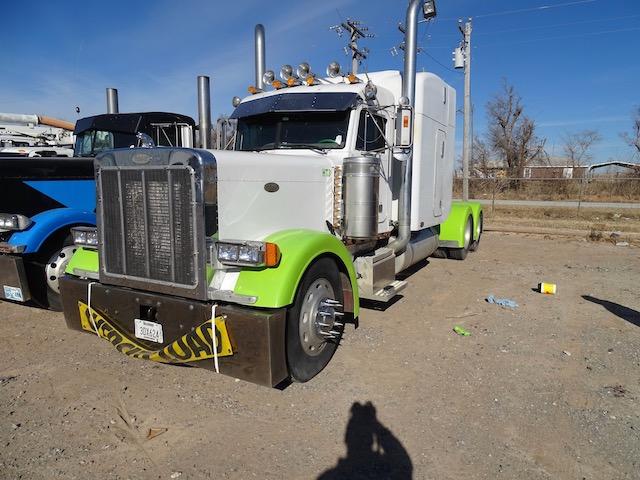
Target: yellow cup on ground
x=548 y=288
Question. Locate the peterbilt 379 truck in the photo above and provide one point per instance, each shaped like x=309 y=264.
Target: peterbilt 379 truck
x=251 y=262
x=43 y=198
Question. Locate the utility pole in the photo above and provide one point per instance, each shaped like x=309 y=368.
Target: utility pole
x=462 y=59
x=356 y=31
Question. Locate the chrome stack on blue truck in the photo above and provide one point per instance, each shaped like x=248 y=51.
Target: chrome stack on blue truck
x=43 y=199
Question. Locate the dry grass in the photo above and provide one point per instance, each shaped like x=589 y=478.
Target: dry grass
x=596 y=190
x=596 y=224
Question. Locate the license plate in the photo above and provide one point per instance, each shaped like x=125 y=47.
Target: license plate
x=13 y=293
x=147 y=330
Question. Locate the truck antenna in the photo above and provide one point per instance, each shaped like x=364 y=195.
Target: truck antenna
x=356 y=31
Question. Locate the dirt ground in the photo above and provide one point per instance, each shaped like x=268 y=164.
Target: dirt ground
x=549 y=390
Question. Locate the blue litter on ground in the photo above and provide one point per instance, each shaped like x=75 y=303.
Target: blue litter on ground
x=503 y=302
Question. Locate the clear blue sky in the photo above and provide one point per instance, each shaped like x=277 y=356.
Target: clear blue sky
x=574 y=64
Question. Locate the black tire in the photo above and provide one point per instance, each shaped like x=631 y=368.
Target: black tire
x=306 y=360
x=461 y=253
x=476 y=243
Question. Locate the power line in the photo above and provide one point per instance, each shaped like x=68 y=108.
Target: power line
x=542 y=27
x=533 y=9
x=526 y=10
x=568 y=24
x=534 y=40
x=558 y=37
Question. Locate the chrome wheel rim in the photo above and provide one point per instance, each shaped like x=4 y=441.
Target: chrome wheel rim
x=57 y=265
x=318 y=324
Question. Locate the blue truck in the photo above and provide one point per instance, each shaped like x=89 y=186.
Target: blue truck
x=41 y=199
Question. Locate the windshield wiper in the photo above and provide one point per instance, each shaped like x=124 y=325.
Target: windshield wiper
x=304 y=145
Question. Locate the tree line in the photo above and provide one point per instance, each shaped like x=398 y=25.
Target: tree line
x=512 y=143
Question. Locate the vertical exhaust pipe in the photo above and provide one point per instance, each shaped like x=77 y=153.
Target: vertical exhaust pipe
x=112 y=100
x=260 y=60
x=204 y=111
x=408 y=91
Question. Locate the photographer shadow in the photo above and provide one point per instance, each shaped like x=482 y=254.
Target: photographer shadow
x=373 y=452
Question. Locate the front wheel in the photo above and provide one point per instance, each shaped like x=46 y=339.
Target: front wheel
x=315 y=321
x=54 y=268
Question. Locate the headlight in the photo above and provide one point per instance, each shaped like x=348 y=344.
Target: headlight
x=11 y=221
x=248 y=253
x=85 y=236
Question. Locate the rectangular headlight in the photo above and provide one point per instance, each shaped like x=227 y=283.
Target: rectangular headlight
x=248 y=253
x=14 y=221
x=85 y=236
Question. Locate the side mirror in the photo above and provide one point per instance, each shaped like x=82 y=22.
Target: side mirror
x=144 y=140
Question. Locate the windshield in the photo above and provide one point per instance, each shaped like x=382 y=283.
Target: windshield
x=322 y=130
x=92 y=142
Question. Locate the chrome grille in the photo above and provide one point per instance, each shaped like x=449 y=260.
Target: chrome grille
x=148 y=223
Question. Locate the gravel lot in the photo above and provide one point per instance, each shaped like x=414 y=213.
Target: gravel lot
x=549 y=390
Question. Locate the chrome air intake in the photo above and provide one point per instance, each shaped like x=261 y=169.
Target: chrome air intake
x=151 y=218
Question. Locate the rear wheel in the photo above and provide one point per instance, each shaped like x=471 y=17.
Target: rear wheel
x=476 y=243
x=461 y=253
x=315 y=321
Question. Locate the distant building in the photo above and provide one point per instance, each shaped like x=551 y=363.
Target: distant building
x=554 y=171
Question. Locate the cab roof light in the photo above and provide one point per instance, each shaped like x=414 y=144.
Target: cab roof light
x=334 y=70
x=304 y=70
x=253 y=90
x=292 y=82
x=268 y=77
x=352 y=78
x=286 y=72
x=277 y=84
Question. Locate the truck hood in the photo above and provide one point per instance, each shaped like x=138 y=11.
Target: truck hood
x=263 y=193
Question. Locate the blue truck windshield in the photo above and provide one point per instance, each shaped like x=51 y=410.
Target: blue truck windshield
x=286 y=130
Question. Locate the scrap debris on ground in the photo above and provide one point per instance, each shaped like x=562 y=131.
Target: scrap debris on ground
x=402 y=398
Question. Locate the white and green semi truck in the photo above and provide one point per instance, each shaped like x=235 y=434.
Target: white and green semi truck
x=250 y=262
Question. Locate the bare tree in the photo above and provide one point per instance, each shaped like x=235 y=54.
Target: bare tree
x=633 y=137
x=512 y=135
x=577 y=146
x=480 y=159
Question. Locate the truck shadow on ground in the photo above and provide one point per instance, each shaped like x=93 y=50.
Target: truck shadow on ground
x=373 y=452
x=630 y=315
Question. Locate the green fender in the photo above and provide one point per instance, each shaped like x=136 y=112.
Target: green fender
x=452 y=229
x=84 y=260
x=276 y=287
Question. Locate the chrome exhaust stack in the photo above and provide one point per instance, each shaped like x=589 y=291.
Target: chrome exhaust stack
x=112 y=100
x=204 y=111
x=260 y=61
x=427 y=8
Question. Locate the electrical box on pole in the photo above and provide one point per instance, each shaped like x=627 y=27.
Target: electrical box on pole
x=458 y=58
